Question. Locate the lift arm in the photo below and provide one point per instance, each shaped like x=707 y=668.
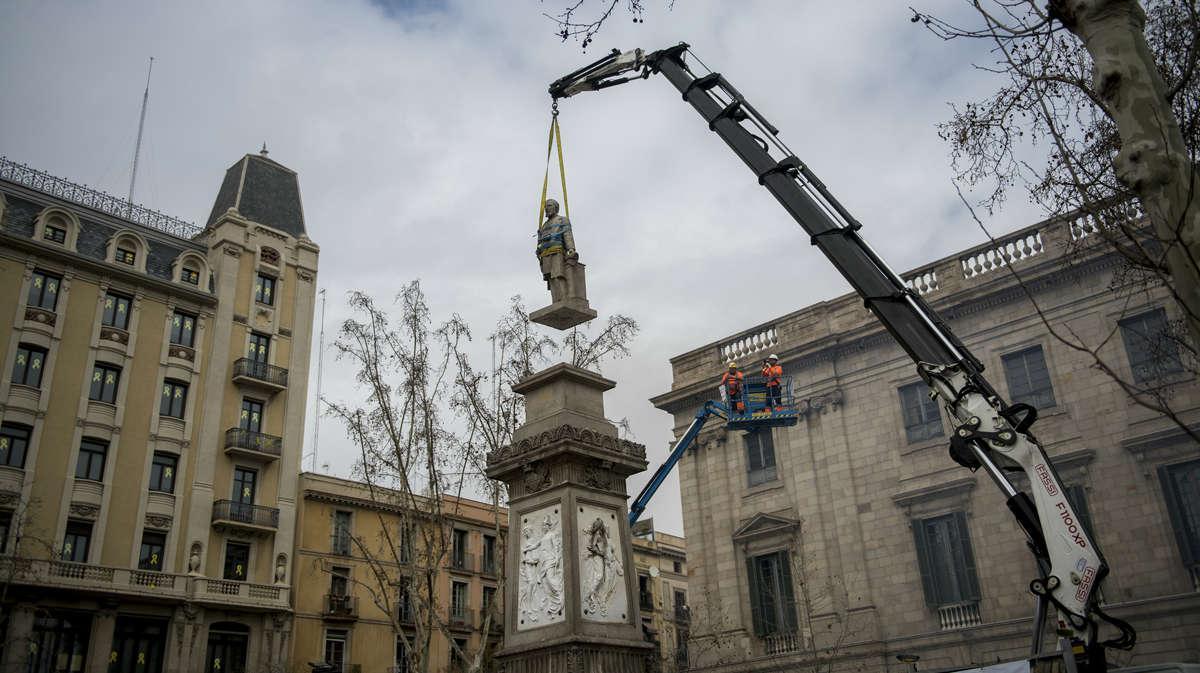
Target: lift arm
x=660 y=475
x=989 y=433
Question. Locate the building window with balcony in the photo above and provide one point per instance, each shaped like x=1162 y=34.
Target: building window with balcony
x=116 y=311
x=77 y=541
x=27 y=368
x=947 y=567
x=760 y=457
x=489 y=554
x=252 y=413
x=405 y=552
x=681 y=608
x=264 y=290
x=340 y=542
x=174 y=399
x=772 y=598
x=458 y=653
x=922 y=420
x=645 y=593
x=1028 y=379
x=105 y=380
x=489 y=600
x=245 y=482
x=54 y=234
x=260 y=348
x=1150 y=347
x=401 y=656
x=183 y=329
x=90 y=465
x=126 y=256
x=162 y=473
x=237 y=561
x=14 y=442
x=1181 y=488
x=403 y=602
x=189 y=276
x=151 y=555
x=336 y=649
x=339 y=588
x=458 y=603
x=43 y=291
x=458 y=550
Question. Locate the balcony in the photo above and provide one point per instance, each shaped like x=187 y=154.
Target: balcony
x=340 y=607
x=405 y=614
x=226 y=593
x=497 y=624
x=253 y=445
x=260 y=374
x=461 y=562
x=253 y=518
x=84 y=578
x=782 y=642
x=461 y=618
x=959 y=615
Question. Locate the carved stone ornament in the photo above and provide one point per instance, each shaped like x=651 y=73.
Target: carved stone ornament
x=304 y=275
x=584 y=436
x=84 y=510
x=232 y=251
x=194 y=557
x=601 y=572
x=537 y=477
x=597 y=477
x=113 y=334
x=9 y=498
x=158 y=521
x=40 y=315
x=540 y=584
x=281 y=568
x=183 y=353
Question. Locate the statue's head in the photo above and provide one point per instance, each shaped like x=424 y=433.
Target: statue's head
x=551 y=208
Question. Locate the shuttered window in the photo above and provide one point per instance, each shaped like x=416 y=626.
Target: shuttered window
x=1152 y=352
x=1181 y=487
x=1028 y=379
x=945 y=559
x=760 y=457
x=772 y=599
x=921 y=417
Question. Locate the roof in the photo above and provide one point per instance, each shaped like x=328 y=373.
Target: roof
x=264 y=191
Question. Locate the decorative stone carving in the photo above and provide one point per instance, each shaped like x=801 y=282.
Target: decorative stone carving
x=569 y=433
x=269 y=256
x=158 y=521
x=280 y=571
x=537 y=477
x=601 y=572
x=232 y=251
x=540 y=587
x=40 y=315
x=304 y=275
x=84 y=510
x=283 y=331
x=194 y=558
x=597 y=477
x=9 y=498
x=113 y=334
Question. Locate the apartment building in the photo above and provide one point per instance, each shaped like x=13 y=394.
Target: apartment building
x=390 y=580
x=851 y=538
x=152 y=401
x=660 y=560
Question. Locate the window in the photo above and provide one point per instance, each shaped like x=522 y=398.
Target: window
x=59 y=642
x=27 y=368
x=458 y=601
x=77 y=541
x=190 y=276
x=335 y=649
x=406 y=544
x=458 y=549
x=1028 y=379
x=14 y=442
x=681 y=609
x=126 y=256
x=772 y=600
x=677 y=566
x=489 y=598
x=162 y=473
x=91 y=459
x=244 y=484
x=260 y=347
x=645 y=597
x=339 y=581
x=489 y=554
x=341 y=533
x=945 y=559
x=6 y=520
x=1181 y=487
x=1151 y=350
x=264 y=290
x=151 y=555
x=105 y=379
x=183 y=329
x=116 y=311
x=237 y=560
x=922 y=420
x=401 y=656
x=54 y=233
x=174 y=399
x=457 y=654
x=403 y=601
x=760 y=456
x=252 y=411
x=43 y=290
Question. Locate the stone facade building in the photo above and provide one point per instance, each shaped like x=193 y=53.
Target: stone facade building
x=350 y=543
x=152 y=402
x=852 y=537
x=660 y=560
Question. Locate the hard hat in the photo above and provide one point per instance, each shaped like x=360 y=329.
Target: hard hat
x=732 y=364
x=772 y=356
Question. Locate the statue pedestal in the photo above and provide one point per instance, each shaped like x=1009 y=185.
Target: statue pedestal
x=565 y=314
x=571 y=602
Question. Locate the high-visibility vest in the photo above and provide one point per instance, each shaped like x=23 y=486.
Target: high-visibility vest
x=772 y=373
x=551 y=238
x=732 y=382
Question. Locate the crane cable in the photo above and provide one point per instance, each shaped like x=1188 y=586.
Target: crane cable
x=555 y=140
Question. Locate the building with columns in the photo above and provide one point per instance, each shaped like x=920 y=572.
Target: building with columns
x=152 y=402
x=660 y=560
x=852 y=538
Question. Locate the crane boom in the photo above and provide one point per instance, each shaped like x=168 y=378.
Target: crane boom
x=989 y=433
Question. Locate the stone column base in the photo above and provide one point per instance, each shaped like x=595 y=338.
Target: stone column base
x=576 y=655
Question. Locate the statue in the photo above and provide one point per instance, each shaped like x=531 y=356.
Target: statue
x=563 y=273
x=601 y=569
x=541 y=572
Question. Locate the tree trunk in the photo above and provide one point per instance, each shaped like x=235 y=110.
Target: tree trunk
x=1153 y=161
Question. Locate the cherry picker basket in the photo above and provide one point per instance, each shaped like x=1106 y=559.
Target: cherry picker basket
x=749 y=409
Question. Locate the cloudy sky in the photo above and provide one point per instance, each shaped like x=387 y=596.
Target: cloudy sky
x=418 y=130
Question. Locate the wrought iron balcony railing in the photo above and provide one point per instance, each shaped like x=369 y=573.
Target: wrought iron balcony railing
x=462 y=617
x=254 y=442
x=261 y=372
x=243 y=513
x=463 y=561
x=341 y=606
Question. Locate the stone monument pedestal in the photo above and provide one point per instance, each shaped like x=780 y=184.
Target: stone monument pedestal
x=571 y=602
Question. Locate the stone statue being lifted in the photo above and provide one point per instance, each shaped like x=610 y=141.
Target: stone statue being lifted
x=563 y=273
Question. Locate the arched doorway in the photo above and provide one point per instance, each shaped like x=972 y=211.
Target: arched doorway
x=227 y=645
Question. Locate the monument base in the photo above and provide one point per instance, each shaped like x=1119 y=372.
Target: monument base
x=565 y=314
x=579 y=655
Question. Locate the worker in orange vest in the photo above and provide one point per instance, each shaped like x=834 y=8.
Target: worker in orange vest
x=731 y=382
x=772 y=376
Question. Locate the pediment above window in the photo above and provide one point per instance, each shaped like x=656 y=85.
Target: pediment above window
x=948 y=496
x=764 y=525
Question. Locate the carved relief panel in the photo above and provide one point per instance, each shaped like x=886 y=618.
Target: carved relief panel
x=540 y=595
x=602 y=578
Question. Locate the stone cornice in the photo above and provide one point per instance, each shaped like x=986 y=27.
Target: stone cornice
x=564 y=371
x=392 y=508
x=620 y=449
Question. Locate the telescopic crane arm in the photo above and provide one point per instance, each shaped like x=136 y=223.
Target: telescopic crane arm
x=660 y=475
x=989 y=433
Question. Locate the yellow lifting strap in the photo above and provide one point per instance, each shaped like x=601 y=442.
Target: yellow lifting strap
x=555 y=140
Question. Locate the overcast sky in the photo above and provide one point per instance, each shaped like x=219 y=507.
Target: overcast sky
x=418 y=130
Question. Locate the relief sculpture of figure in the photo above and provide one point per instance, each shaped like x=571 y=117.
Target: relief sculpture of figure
x=541 y=571
x=558 y=257
x=601 y=569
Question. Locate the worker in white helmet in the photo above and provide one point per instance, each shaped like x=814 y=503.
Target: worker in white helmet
x=773 y=378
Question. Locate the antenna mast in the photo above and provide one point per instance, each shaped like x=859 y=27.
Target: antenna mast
x=320 y=366
x=137 y=148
